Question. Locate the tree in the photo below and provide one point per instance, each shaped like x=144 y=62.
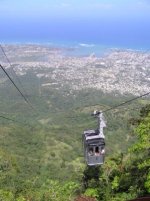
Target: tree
x=142 y=150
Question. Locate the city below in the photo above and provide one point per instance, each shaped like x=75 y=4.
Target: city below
x=117 y=71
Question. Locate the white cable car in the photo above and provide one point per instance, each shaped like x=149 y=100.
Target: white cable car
x=94 y=143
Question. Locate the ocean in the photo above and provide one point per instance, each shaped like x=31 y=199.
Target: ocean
x=79 y=49
x=80 y=37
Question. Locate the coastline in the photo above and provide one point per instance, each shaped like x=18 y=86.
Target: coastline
x=80 y=49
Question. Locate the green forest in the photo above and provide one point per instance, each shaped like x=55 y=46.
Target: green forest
x=41 y=151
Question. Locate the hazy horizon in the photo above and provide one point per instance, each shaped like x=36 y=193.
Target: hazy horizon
x=111 y=23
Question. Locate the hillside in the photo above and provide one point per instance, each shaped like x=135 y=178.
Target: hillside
x=44 y=152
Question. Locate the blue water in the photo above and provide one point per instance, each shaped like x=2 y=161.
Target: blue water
x=84 y=36
x=85 y=49
x=79 y=49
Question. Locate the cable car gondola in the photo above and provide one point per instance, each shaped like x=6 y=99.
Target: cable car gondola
x=94 y=143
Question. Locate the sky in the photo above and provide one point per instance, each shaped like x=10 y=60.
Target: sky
x=111 y=22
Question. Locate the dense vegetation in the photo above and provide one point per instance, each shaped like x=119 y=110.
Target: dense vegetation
x=124 y=176
x=42 y=157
